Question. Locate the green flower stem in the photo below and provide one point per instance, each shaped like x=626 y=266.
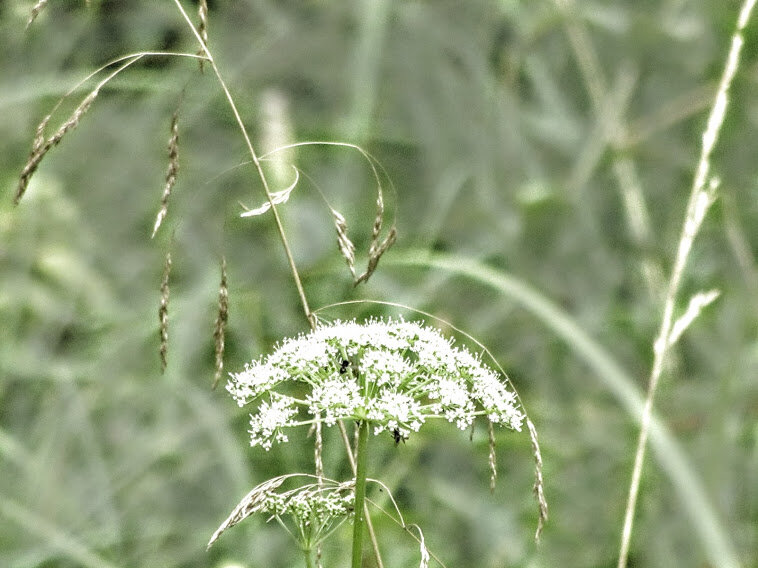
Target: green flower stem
x=360 y=493
x=308 y=553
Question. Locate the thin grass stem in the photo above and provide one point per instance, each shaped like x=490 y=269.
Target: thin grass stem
x=701 y=197
x=257 y=162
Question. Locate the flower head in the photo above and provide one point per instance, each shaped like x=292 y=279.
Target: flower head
x=393 y=373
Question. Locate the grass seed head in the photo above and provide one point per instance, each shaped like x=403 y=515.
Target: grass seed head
x=163 y=313
x=202 y=28
x=346 y=246
x=40 y=146
x=171 y=172
x=219 y=331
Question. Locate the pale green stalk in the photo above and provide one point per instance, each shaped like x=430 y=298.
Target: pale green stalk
x=701 y=197
x=309 y=563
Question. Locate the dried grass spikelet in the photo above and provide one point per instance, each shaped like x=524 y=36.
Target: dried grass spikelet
x=539 y=483
x=39 y=135
x=202 y=28
x=163 y=313
x=492 y=457
x=375 y=253
x=171 y=173
x=377 y=248
x=249 y=505
x=36 y=9
x=346 y=246
x=42 y=146
x=220 y=327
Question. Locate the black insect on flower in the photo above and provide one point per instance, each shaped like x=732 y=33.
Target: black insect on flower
x=398 y=437
x=343 y=366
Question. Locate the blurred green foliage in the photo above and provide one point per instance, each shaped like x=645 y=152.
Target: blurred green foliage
x=505 y=149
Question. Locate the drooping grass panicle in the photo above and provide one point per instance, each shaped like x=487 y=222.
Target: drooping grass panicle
x=163 y=313
x=41 y=145
x=171 y=172
x=346 y=247
x=219 y=330
x=376 y=252
x=377 y=247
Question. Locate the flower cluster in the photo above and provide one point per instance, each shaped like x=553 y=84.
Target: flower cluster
x=313 y=510
x=393 y=373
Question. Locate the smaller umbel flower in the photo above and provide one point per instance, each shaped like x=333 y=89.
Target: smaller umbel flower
x=393 y=374
x=309 y=512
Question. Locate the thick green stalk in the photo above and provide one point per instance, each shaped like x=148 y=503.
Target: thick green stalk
x=308 y=553
x=360 y=494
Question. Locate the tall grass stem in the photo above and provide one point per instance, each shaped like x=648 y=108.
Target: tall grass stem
x=701 y=196
x=257 y=162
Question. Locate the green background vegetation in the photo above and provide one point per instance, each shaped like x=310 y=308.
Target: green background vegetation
x=483 y=114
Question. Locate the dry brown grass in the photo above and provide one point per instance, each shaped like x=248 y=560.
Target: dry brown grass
x=171 y=173
x=41 y=146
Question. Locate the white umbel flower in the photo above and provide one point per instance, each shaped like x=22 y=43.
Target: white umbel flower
x=393 y=373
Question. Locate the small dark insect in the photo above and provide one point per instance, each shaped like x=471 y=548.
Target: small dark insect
x=343 y=367
x=398 y=437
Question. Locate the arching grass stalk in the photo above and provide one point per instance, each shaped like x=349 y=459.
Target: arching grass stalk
x=256 y=161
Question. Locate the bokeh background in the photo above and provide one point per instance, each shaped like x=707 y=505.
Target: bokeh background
x=542 y=152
